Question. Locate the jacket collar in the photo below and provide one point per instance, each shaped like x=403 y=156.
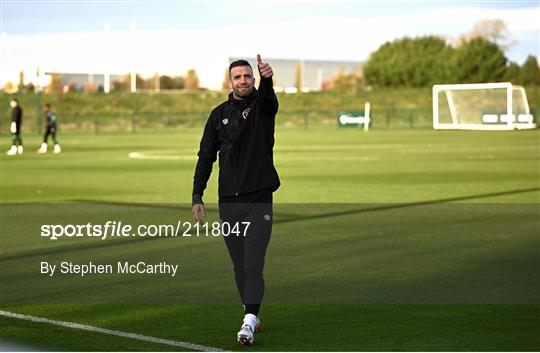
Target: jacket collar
x=248 y=99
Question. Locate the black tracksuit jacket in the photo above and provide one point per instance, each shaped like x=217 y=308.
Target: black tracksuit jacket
x=16 y=117
x=242 y=132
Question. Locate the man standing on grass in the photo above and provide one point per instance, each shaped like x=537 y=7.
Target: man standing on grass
x=51 y=130
x=242 y=131
x=15 y=128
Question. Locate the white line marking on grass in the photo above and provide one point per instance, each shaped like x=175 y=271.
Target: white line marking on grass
x=402 y=155
x=187 y=345
x=163 y=156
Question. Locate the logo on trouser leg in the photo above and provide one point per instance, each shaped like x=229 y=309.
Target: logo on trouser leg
x=267 y=217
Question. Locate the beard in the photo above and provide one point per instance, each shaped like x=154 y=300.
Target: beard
x=243 y=91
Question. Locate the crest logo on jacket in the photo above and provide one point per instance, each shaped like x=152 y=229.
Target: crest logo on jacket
x=245 y=113
x=225 y=121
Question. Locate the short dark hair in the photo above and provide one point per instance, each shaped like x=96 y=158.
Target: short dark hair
x=48 y=105
x=15 y=100
x=240 y=62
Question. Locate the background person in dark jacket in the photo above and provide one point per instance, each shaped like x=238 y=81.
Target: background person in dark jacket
x=241 y=130
x=15 y=128
x=51 y=129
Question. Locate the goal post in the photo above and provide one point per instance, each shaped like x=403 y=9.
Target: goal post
x=481 y=106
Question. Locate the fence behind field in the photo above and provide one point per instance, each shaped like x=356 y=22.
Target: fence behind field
x=101 y=122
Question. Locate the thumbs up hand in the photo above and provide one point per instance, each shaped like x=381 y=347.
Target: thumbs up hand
x=264 y=68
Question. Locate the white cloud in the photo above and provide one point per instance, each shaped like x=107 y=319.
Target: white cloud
x=207 y=50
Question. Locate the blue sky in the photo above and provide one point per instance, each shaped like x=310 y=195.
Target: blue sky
x=172 y=36
x=29 y=17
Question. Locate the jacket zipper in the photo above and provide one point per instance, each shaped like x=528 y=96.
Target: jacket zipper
x=233 y=171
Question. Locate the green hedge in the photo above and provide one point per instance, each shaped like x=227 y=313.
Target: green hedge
x=391 y=108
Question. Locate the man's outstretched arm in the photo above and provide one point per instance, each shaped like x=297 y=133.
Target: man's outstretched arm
x=266 y=88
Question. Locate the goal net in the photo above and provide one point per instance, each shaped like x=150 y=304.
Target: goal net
x=481 y=106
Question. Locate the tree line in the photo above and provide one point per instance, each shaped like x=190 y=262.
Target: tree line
x=474 y=56
x=428 y=60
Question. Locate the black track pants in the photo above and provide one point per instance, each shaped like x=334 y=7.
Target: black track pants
x=50 y=131
x=248 y=252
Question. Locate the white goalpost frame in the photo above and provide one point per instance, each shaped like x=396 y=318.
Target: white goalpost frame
x=524 y=95
x=452 y=107
x=511 y=121
x=367 y=119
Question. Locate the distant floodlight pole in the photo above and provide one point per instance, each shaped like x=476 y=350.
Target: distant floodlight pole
x=303 y=76
x=133 y=74
x=106 y=75
x=38 y=100
x=319 y=79
x=38 y=87
x=133 y=81
x=107 y=82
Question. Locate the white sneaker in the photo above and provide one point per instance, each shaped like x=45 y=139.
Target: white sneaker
x=245 y=335
x=43 y=148
x=12 y=151
x=57 y=148
x=20 y=149
x=258 y=326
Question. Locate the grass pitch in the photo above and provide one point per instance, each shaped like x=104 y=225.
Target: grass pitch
x=387 y=240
